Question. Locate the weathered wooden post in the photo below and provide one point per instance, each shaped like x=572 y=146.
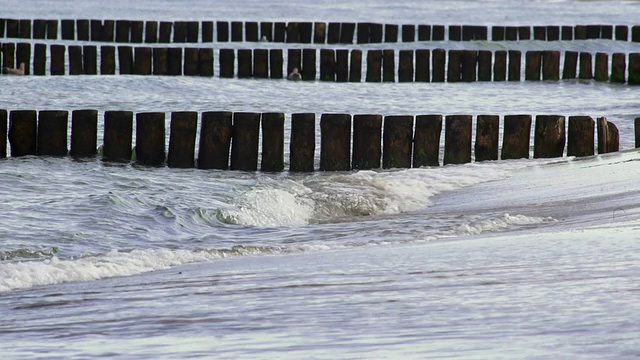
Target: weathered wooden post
x=487 y=129
x=123 y=31
x=634 y=69
x=367 y=138
x=57 y=59
x=244 y=147
x=397 y=142
x=207 y=31
x=374 y=66
x=355 y=66
x=22 y=132
x=618 y=68
x=215 y=139
x=8 y=55
x=205 y=59
x=580 y=32
x=118 y=130
x=90 y=59
x=570 y=65
x=303 y=142
x=293 y=32
x=191 y=61
x=319 y=32
x=107 y=60
x=363 y=33
x=52 y=29
x=497 y=33
x=437 y=33
x=500 y=66
x=222 y=28
x=333 y=33
x=25 y=29
x=533 y=65
x=13 y=28
x=125 y=60
x=164 y=34
x=606 y=31
x=405 y=67
x=309 y=64
x=342 y=65
x=454 y=65
x=580 y=137
x=423 y=65
x=426 y=142
x=636 y=127
x=151 y=32
x=193 y=31
x=272 y=142
x=261 y=63
x=227 y=62
x=567 y=33
x=276 y=63
x=457 y=139
x=3 y=129
x=174 y=57
x=39 y=29
x=266 y=31
x=75 y=60
x=593 y=31
x=84 y=133
x=515 y=63
x=375 y=33
x=540 y=33
x=108 y=31
x=142 y=60
x=408 y=33
x=279 y=32
x=294 y=60
x=23 y=55
x=182 y=139
x=68 y=29
x=160 y=61
x=390 y=33
x=245 y=63
x=52 y=132
x=335 y=142
x=424 y=32
x=455 y=33
x=150 y=137
x=585 y=66
x=516 y=137
x=608 y=137
x=327 y=65
x=469 y=65
x=39 y=59
x=236 y=31
x=524 y=32
x=622 y=32
x=137 y=31
x=602 y=67
x=306 y=32
x=484 y=65
x=550 y=65
x=438 y=65
x=553 y=33
x=388 y=65
x=511 y=33
x=549 y=139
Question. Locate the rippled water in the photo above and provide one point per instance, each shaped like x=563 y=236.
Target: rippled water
x=533 y=259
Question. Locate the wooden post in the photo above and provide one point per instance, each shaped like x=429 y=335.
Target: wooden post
x=511 y=33
x=174 y=57
x=260 y=63
x=439 y=61
x=193 y=31
x=306 y=30
x=606 y=32
x=160 y=61
x=533 y=65
x=23 y=55
x=75 y=60
x=227 y=62
x=309 y=64
x=467 y=33
x=22 y=132
x=390 y=33
x=52 y=29
x=551 y=65
x=602 y=67
x=355 y=66
x=222 y=28
x=164 y=35
x=150 y=137
x=500 y=66
x=423 y=65
x=618 y=68
x=68 y=29
x=469 y=65
x=388 y=65
x=524 y=32
x=455 y=33
x=279 y=32
x=90 y=59
x=8 y=55
x=457 y=139
x=634 y=69
x=487 y=129
x=276 y=63
x=342 y=65
x=363 y=34
x=236 y=31
x=405 y=68
x=125 y=59
x=516 y=137
x=585 y=66
x=567 y=33
x=438 y=33
x=3 y=128
x=424 y=32
x=346 y=33
x=636 y=127
x=497 y=33
x=622 y=32
x=191 y=61
x=515 y=63
x=244 y=147
x=245 y=63
x=549 y=139
x=142 y=61
x=207 y=31
x=13 y=28
x=319 y=32
x=540 y=33
x=593 y=31
x=580 y=137
x=107 y=60
x=118 y=130
x=215 y=139
x=108 y=31
x=408 y=33
x=397 y=141
x=608 y=137
x=484 y=65
x=266 y=31
x=39 y=29
x=84 y=133
x=251 y=29
x=375 y=33
x=123 y=31
x=272 y=142
x=580 y=32
x=303 y=142
x=137 y=31
x=374 y=66
x=426 y=142
x=52 y=132
x=205 y=57
x=294 y=60
x=553 y=33
x=570 y=65
x=454 y=65
x=57 y=59
x=180 y=32
x=182 y=139
x=151 y=32
x=39 y=59
x=367 y=138
x=335 y=142
x=293 y=33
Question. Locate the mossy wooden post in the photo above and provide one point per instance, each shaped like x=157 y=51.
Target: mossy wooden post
x=423 y=65
x=580 y=136
x=309 y=64
x=388 y=65
x=193 y=31
x=68 y=29
x=272 y=142
x=319 y=32
x=3 y=131
x=515 y=65
x=52 y=132
x=634 y=69
x=540 y=33
x=375 y=33
x=279 y=32
x=511 y=33
x=191 y=61
x=108 y=31
x=553 y=33
x=497 y=33
x=227 y=62
x=118 y=131
x=533 y=65
x=438 y=65
x=107 y=60
x=374 y=66
x=142 y=61
x=305 y=30
x=266 y=31
x=636 y=128
x=426 y=142
x=333 y=33
x=150 y=138
x=174 y=58
x=205 y=61
x=622 y=33
x=90 y=59
x=601 y=72
x=75 y=60
x=335 y=142
x=244 y=146
x=22 y=132
x=457 y=139
x=294 y=60
x=222 y=29
x=355 y=66
x=207 y=31
x=52 y=29
x=469 y=65
x=245 y=63
x=160 y=61
x=362 y=33
x=123 y=31
x=84 y=133
x=137 y=31
x=487 y=129
x=550 y=65
x=303 y=142
x=437 y=33
x=57 y=59
x=618 y=67
x=39 y=59
x=125 y=60
x=390 y=33
x=405 y=67
x=484 y=65
x=549 y=139
x=367 y=139
x=524 y=32
x=500 y=66
x=516 y=137
x=276 y=63
x=261 y=63
x=182 y=139
x=151 y=32
x=397 y=142
x=215 y=140
x=586 y=66
x=455 y=32
x=39 y=29
x=23 y=55
x=342 y=65
x=408 y=33
x=570 y=65
x=424 y=32
x=454 y=66
x=293 y=33
x=236 y=31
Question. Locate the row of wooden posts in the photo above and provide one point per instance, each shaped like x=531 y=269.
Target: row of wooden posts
x=340 y=65
x=138 y=31
x=397 y=141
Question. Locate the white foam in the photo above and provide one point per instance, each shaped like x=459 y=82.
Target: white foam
x=499 y=224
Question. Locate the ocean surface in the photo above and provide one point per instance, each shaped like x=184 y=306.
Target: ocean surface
x=519 y=259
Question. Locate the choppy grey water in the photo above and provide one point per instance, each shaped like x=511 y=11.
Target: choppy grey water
x=535 y=259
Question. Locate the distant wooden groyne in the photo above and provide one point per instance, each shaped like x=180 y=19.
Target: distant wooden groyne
x=363 y=141
x=139 y=31
x=341 y=65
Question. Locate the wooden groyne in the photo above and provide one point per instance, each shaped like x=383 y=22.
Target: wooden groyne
x=341 y=65
x=139 y=31
x=363 y=141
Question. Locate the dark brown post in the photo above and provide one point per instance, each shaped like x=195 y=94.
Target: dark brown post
x=266 y=31
x=374 y=66
x=390 y=33
x=551 y=65
x=636 y=127
x=593 y=31
x=497 y=33
x=164 y=34
x=57 y=59
x=634 y=69
x=227 y=62
x=8 y=55
x=467 y=33
x=306 y=32
x=516 y=137
x=52 y=132
x=13 y=28
x=193 y=31
x=533 y=65
x=618 y=68
x=245 y=64
x=608 y=137
x=335 y=142
x=272 y=142
x=570 y=65
x=191 y=61
x=423 y=65
x=567 y=33
x=515 y=63
x=426 y=144
x=408 y=33
x=260 y=63
x=23 y=55
x=293 y=32
x=355 y=65
x=107 y=60
x=142 y=61
x=244 y=147
x=68 y=30
x=549 y=139
x=309 y=64
x=182 y=139
x=455 y=33
x=207 y=31
x=137 y=31
x=580 y=142
x=511 y=33
x=469 y=65
x=388 y=65
x=279 y=32
x=553 y=33
x=439 y=63
x=405 y=68
x=319 y=32
x=75 y=60
x=585 y=66
x=622 y=32
x=342 y=65
x=251 y=28
x=108 y=30
x=602 y=67
x=397 y=141
x=424 y=32
x=118 y=130
x=39 y=59
x=90 y=57
x=606 y=31
x=236 y=31
x=457 y=139
x=276 y=63
x=84 y=133
x=160 y=61
x=222 y=28
x=52 y=29
x=487 y=128
x=3 y=127
x=39 y=29
x=362 y=34
x=150 y=138
x=123 y=30
x=454 y=65
x=22 y=132
x=215 y=139
x=125 y=59
x=367 y=136
x=540 y=33
x=524 y=32
x=174 y=58
x=438 y=33
x=484 y=65
x=375 y=33
x=580 y=32
x=205 y=56
x=294 y=60
x=613 y=137
x=180 y=32
x=151 y=32
x=500 y=66
x=303 y=142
